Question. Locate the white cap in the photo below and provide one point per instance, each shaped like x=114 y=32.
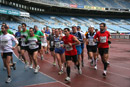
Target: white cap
x=91 y=26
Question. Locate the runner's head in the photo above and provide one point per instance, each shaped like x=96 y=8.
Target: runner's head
x=91 y=28
x=4 y=29
x=60 y=31
x=66 y=31
x=78 y=28
x=43 y=31
x=102 y=27
x=53 y=31
x=3 y=23
x=7 y=26
x=96 y=30
x=56 y=32
x=19 y=28
x=47 y=28
x=24 y=26
x=31 y=31
x=74 y=29
x=35 y=28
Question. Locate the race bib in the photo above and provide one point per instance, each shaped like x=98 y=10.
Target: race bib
x=103 y=39
x=23 y=39
x=91 y=42
x=52 y=43
x=4 y=42
x=32 y=45
x=68 y=48
x=57 y=45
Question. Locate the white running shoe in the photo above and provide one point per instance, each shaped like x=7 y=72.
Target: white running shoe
x=4 y=68
x=95 y=67
x=31 y=66
x=26 y=65
x=80 y=71
x=61 y=72
x=54 y=63
x=68 y=79
x=8 y=80
x=37 y=69
x=104 y=73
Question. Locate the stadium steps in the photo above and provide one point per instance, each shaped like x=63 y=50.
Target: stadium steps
x=73 y=1
x=44 y=21
x=119 y=4
x=124 y=28
x=104 y=3
x=64 y=19
x=90 y=3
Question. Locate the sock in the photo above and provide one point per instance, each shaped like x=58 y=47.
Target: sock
x=105 y=65
x=78 y=66
x=68 y=71
x=95 y=60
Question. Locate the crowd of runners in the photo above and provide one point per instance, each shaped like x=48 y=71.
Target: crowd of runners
x=65 y=46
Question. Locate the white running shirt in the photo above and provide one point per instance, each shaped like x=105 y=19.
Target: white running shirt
x=6 y=43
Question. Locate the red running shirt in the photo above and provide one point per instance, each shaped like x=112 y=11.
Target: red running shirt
x=69 y=51
x=102 y=39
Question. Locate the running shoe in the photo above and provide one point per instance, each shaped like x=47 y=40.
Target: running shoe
x=8 y=80
x=37 y=69
x=68 y=79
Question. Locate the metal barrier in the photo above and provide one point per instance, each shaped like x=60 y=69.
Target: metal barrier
x=120 y=36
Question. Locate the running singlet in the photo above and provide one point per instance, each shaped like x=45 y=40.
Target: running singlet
x=24 y=35
x=43 y=39
x=90 y=39
x=57 y=42
x=6 y=42
x=51 y=40
x=39 y=33
x=32 y=42
x=47 y=32
x=102 y=39
x=79 y=37
x=10 y=32
x=18 y=34
x=70 y=51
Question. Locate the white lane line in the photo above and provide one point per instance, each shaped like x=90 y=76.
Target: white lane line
x=47 y=75
x=40 y=84
x=109 y=72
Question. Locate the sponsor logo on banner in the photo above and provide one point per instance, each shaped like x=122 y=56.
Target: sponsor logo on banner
x=73 y=6
x=80 y=6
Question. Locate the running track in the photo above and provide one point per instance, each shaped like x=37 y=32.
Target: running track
x=118 y=73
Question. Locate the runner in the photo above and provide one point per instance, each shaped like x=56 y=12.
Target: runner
x=18 y=35
x=6 y=47
x=92 y=46
x=78 y=47
x=33 y=42
x=82 y=44
x=44 y=41
x=24 y=46
x=103 y=37
x=59 y=50
x=70 y=43
x=51 y=45
x=40 y=35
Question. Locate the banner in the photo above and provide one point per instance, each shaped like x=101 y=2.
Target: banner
x=80 y=6
x=73 y=6
x=14 y=12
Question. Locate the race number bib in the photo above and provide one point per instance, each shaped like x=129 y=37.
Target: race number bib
x=52 y=43
x=91 y=42
x=32 y=45
x=57 y=45
x=103 y=39
x=68 y=48
x=4 y=42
